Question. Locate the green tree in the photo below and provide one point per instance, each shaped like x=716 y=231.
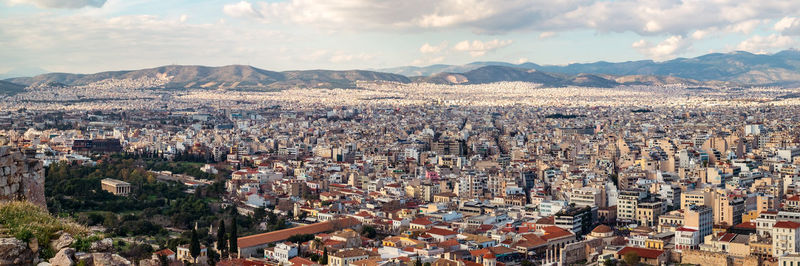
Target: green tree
x=324 y=259
x=234 y=238
x=369 y=231
x=259 y=214
x=222 y=241
x=631 y=258
x=194 y=247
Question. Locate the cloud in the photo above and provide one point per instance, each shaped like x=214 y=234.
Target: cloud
x=342 y=57
x=765 y=44
x=547 y=34
x=430 y=49
x=788 y=26
x=649 y=17
x=665 y=49
x=478 y=48
x=79 y=42
x=183 y=18
x=60 y=3
x=241 y=10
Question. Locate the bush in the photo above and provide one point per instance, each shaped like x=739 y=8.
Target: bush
x=25 y=220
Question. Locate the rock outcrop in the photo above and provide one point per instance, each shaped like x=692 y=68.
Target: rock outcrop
x=15 y=252
x=104 y=245
x=21 y=177
x=64 y=257
x=63 y=241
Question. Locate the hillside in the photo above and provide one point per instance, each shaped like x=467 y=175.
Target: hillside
x=489 y=74
x=8 y=88
x=228 y=77
x=737 y=67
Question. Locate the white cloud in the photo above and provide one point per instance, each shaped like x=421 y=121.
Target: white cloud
x=60 y=3
x=547 y=34
x=665 y=49
x=430 y=49
x=522 y=60
x=788 y=26
x=478 y=48
x=765 y=44
x=183 y=18
x=699 y=34
x=241 y=9
x=649 y=17
x=342 y=57
x=127 y=42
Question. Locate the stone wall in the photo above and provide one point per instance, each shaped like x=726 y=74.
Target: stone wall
x=21 y=178
x=704 y=258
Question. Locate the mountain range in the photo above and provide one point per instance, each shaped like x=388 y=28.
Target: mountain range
x=737 y=68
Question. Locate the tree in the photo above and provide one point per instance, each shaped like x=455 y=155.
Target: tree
x=631 y=258
x=324 y=259
x=194 y=247
x=369 y=231
x=222 y=241
x=418 y=262
x=259 y=214
x=234 y=238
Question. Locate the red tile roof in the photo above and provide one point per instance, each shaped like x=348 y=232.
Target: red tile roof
x=787 y=224
x=441 y=232
x=555 y=232
x=642 y=252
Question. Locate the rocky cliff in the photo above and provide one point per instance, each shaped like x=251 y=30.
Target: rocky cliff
x=21 y=177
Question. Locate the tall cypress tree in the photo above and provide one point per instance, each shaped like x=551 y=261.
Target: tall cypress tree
x=324 y=259
x=194 y=247
x=222 y=240
x=234 y=238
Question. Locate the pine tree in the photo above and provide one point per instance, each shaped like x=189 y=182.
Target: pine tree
x=324 y=259
x=234 y=238
x=222 y=240
x=194 y=247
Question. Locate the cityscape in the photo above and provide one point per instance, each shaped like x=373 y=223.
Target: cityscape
x=684 y=157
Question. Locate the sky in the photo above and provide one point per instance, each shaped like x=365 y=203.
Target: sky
x=88 y=36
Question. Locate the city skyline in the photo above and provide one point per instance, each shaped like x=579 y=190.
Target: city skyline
x=91 y=36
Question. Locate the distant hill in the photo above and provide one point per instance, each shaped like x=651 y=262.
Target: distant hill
x=737 y=67
x=8 y=88
x=489 y=74
x=233 y=76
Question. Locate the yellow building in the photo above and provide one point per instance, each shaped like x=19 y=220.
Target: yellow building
x=116 y=187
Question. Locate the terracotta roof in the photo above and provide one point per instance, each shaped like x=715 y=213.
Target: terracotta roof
x=280 y=235
x=746 y=225
x=165 y=252
x=421 y=221
x=298 y=261
x=642 y=252
x=555 y=232
x=602 y=229
x=441 y=232
x=787 y=224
